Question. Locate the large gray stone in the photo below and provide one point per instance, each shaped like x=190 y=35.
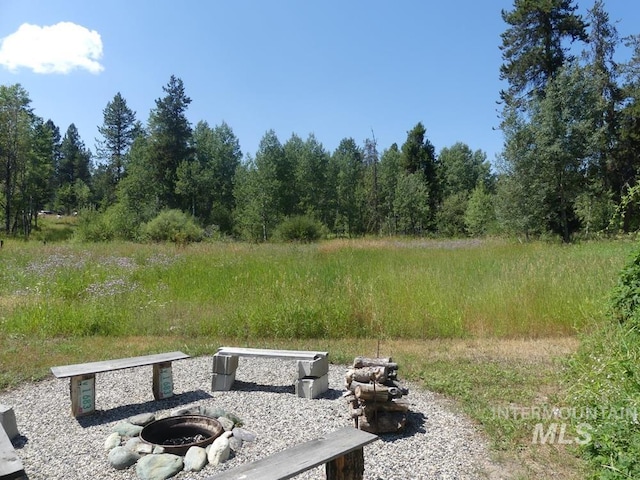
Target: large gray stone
x=191 y=410
x=112 y=441
x=122 y=458
x=226 y=423
x=127 y=429
x=213 y=412
x=142 y=419
x=244 y=435
x=235 y=444
x=136 y=444
x=219 y=450
x=195 y=459
x=158 y=467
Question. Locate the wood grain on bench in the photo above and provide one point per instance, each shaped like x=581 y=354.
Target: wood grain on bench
x=300 y=458
x=119 y=364
x=263 y=352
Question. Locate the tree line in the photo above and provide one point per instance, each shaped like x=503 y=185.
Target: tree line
x=568 y=167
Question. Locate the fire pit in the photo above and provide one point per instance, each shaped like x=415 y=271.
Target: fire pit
x=177 y=434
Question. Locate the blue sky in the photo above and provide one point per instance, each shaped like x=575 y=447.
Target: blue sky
x=334 y=68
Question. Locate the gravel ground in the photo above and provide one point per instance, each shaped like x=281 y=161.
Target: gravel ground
x=437 y=444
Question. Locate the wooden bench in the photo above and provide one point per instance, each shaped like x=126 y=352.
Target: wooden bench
x=312 y=368
x=82 y=383
x=341 y=451
x=10 y=465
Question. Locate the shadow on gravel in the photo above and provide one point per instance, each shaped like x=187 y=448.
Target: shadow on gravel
x=100 y=417
x=332 y=394
x=19 y=442
x=241 y=386
x=415 y=425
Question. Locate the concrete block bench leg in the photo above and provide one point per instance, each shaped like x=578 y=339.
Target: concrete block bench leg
x=311 y=387
x=8 y=421
x=313 y=368
x=313 y=377
x=224 y=372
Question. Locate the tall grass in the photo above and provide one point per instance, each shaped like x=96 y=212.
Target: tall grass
x=373 y=289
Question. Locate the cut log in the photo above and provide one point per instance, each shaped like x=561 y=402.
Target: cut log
x=355 y=385
x=395 y=392
x=361 y=362
x=369 y=374
x=372 y=392
x=355 y=412
x=383 y=422
x=395 y=406
x=404 y=390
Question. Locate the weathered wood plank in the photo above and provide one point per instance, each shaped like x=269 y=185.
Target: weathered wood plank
x=65 y=371
x=347 y=467
x=263 y=352
x=10 y=465
x=289 y=463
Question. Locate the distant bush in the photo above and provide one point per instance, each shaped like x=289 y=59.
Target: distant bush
x=93 y=227
x=172 y=226
x=300 y=228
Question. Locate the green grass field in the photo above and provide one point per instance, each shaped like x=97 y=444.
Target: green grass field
x=486 y=323
x=375 y=289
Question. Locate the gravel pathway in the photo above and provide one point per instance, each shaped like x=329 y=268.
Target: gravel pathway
x=437 y=444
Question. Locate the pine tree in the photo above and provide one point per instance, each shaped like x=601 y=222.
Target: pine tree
x=419 y=157
x=74 y=170
x=532 y=47
x=169 y=142
x=118 y=132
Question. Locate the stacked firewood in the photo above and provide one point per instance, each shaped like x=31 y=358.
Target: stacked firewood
x=375 y=395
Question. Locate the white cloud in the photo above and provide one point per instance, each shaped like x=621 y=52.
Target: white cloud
x=58 y=48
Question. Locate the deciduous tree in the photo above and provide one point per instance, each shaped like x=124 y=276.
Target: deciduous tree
x=15 y=123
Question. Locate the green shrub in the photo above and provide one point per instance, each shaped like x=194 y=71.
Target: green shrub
x=626 y=295
x=605 y=381
x=93 y=227
x=300 y=228
x=172 y=226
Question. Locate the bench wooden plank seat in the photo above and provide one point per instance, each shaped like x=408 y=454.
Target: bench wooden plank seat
x=267 y=353
x=119 y=364
x=10 y=465
x=341 y=451
x=313 y=368
x=82 y=377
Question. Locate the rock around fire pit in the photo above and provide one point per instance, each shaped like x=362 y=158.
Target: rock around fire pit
x=189 y=439
x=177 y=434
